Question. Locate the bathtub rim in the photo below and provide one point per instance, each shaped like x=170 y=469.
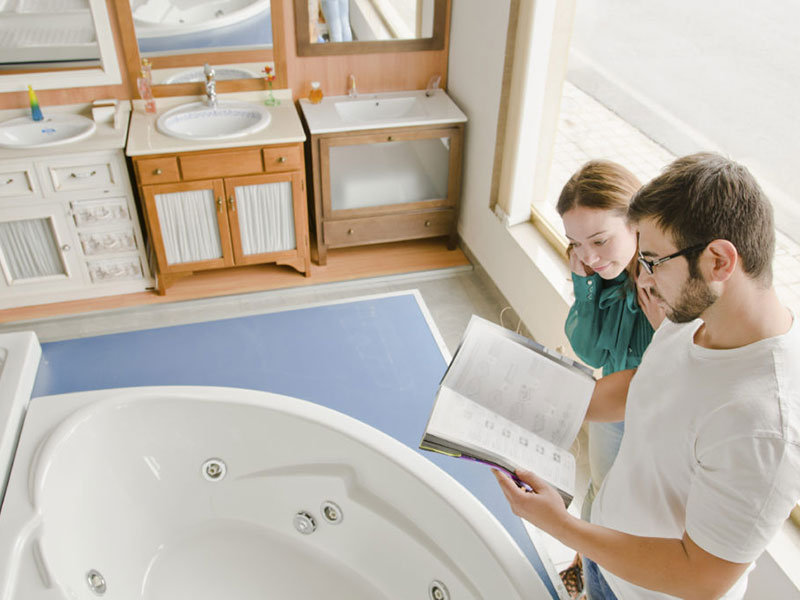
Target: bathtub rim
x=17 y=377
x=150 y=29
x=65 y=410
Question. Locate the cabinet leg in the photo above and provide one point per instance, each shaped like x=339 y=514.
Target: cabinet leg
x=322 y=254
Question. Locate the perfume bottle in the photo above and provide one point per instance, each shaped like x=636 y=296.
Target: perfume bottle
x=145 y=85
x=315 y=95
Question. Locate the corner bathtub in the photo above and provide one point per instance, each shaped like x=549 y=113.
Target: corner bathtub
x=199 y=492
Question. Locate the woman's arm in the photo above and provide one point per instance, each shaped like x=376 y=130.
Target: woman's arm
x=608 y=399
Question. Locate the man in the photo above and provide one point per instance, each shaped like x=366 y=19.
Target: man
x=709 y=466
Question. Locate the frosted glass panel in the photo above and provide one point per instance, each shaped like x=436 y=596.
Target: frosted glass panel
x=189 y=226
x=266 y=217
x=30 y=249
x=366 y=175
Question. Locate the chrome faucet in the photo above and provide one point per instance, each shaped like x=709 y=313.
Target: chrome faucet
x=433 y=84
x=211 y=85
x=351 y=86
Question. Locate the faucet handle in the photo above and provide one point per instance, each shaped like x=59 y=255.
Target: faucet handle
x=433 y=82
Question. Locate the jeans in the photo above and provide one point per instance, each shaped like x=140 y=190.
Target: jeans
x=596 y=586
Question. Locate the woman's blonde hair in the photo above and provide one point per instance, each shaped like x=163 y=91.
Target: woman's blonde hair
x=602 y=185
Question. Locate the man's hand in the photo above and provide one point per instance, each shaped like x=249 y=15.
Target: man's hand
x=541 y=505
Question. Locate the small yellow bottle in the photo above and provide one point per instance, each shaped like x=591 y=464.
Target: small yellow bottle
x=315 y=95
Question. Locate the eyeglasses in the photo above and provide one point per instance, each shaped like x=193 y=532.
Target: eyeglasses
x=650 y=265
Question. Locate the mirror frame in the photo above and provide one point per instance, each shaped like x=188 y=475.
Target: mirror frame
x=108 y=73
x=306 y=48
x=133 y=59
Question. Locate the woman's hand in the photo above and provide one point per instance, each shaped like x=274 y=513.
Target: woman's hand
x=541 y=505
x=650 y=307
x=576 y=265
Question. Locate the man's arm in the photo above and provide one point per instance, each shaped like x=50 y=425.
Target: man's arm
x=609 y=396
x=678 y=567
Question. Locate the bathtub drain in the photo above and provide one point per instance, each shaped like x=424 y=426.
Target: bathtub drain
x=331 y=512
x=96 y=582
x=214 y=469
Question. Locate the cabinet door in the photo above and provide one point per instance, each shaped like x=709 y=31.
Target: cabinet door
x=263 y=214
x=391 y=171
x=37 y=251
x=188 y=225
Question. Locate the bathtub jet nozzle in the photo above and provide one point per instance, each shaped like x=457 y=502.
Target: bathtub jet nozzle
x=214 y=469
x=96 y=582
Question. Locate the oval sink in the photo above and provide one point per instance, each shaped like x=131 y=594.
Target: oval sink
x=199 y=121
x=379 y=109
x=59 y=128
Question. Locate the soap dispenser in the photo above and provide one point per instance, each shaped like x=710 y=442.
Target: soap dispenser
x=315 y=95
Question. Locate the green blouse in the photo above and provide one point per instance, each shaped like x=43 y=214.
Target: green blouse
x=605 y=326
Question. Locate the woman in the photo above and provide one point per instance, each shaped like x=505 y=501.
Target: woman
x=612 y=319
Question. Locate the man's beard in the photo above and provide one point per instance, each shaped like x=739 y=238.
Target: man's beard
x=696 y=296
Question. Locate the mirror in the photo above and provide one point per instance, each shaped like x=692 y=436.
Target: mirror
x=51 y=44
x=330 y=27
x=168 y=29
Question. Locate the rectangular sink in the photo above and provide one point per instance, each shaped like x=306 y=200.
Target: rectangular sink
x=379 y=109
x=385 y=109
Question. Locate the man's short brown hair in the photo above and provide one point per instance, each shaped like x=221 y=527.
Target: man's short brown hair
x=705 y=197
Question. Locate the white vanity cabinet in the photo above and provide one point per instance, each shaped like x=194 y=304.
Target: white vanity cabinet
x=68 y=229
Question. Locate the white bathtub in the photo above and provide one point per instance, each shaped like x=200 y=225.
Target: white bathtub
x=111 y=489
x=158 y=18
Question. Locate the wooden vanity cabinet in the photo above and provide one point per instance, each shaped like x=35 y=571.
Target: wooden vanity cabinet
x=225 y=208
x=386 y=185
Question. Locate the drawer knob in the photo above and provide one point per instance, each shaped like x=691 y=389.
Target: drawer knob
x=157 y=172
x=65 y=247
x=281 y=159
x=219 y=202
x=427 y=223
x=390 y=138
x=349 y=232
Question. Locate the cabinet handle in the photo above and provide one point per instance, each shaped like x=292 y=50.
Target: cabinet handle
x=427 y=223
x=219 y=202
x=157 y=172
x=390 y=138
x=281 y=159
x=349 y=232
x=65 y=247
x=9 y=181
x=232 y=203
x=82 y=175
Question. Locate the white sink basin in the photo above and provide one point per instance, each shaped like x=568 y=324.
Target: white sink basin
x=199 y=121
x=379 y=109
x=411 y=108
x=58 y=128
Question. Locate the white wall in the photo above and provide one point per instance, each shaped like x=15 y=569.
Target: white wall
x=525 y=269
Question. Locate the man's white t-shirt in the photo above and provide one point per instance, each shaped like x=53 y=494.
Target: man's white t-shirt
x=711 y=447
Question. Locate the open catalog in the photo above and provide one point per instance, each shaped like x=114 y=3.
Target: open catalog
x=510 y=402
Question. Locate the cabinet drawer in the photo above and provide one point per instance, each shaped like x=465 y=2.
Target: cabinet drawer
x=285 y=158
x=158 y=170
x=221 y=164
x=17 y=181
x=89 y=213
x=81 y=173
x=388 y=228
x=117 y=269
x=99 y=243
